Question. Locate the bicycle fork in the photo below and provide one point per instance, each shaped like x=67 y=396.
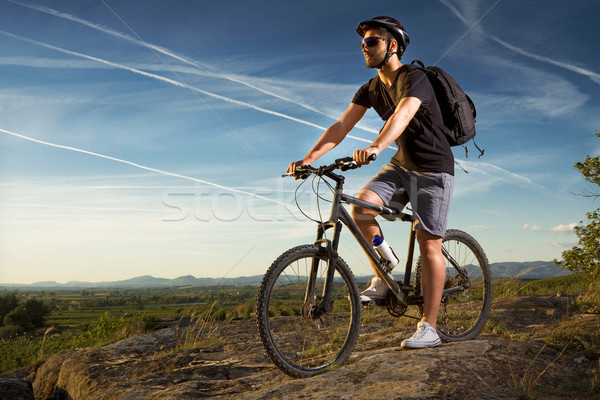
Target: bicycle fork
x=314 y=306
x=328 y=250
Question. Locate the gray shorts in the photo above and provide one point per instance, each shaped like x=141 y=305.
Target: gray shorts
x=429 y=194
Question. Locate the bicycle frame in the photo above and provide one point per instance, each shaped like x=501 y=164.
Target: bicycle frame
x=325 y=331
x=339 y=213
x=338 y=217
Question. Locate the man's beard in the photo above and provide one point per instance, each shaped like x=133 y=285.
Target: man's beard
x=376 y=60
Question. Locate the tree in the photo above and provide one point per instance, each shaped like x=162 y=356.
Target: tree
x=18 y=317
x=8 y=302
x=585 y=258
x=32 y=314
x=37 y=311
x=590 y=169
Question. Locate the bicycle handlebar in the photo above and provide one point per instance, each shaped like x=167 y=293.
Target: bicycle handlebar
x=343 y=164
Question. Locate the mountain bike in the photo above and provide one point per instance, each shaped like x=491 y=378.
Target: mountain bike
x=308 y=305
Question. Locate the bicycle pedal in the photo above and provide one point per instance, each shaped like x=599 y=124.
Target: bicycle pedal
x=374 y=303
x=370 y=303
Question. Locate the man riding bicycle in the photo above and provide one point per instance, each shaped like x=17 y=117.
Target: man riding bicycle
x=421 y=171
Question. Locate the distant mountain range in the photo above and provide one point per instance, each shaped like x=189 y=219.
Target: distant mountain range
x=143 y=281
x=523 y=270
x=527 y=270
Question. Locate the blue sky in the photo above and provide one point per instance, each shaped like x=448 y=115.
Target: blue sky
x=149 y=137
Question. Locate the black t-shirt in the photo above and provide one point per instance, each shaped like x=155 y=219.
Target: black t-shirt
x=421 y=147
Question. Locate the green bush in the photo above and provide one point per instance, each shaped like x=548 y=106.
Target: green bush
x=585 y=258
x=110 y=328
x=28 y=316
x=8 y=302
x=10 y=331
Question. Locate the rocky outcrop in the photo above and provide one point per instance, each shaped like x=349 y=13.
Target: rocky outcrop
x=99 y=373
x=235 y=366
x=15 y=389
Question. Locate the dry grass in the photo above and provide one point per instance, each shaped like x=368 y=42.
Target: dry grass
x=577 y=333
x=200 y=329
x=524 y=386
x=41 y=355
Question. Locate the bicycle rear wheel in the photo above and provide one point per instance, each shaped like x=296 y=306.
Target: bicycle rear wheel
x=468 y=286
x=298 y=342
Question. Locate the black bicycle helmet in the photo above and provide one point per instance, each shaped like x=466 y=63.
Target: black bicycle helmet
x=394 y=27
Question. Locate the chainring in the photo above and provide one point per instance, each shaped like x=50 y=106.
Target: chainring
x=394 y=307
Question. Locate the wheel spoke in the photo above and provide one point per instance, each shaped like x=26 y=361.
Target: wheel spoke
x=467 y=287
x=300 y=338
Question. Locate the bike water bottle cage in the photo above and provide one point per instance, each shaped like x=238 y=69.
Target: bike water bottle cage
x=309 y=306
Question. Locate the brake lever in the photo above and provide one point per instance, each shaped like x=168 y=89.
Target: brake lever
x=302 y=172
x=349 y=166
x=348 y=163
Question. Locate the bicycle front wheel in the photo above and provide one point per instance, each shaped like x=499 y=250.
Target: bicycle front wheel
x=298 y=340
x=467 y=295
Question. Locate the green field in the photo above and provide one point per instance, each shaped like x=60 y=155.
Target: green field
x=96 y=317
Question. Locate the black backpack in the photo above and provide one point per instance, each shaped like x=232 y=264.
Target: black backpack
x=458 y=110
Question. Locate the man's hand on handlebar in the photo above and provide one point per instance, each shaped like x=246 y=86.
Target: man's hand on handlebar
x=365 y=156
x=293 y=167
x=301 y=170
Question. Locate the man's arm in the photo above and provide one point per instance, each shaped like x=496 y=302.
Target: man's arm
x=394 y=127
x=332 y=136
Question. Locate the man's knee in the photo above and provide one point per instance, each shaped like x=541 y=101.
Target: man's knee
x=359 y=213
x=429 y=244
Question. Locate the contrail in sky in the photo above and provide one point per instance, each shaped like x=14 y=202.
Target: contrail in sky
x=582 y=71
x=106 y=30
x=230 y=189
x=174 y=82
x=162 y=50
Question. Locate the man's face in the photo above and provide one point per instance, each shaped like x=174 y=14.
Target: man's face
x=376 y=49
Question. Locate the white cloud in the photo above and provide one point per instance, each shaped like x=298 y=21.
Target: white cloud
x=532 y=228
x=564 y=229
x=557 y=230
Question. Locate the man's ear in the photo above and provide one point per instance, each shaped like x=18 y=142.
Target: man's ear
x=393 y=45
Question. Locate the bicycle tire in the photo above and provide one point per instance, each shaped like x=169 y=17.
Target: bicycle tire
x=462 y=314
x=298 y=345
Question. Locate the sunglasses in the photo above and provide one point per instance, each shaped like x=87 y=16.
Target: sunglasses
x=371 y=41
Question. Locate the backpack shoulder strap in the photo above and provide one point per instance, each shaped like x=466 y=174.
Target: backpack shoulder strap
x=373 y=91
x=418 y=64
x=373 y=83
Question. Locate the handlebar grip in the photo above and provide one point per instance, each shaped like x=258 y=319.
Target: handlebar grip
x=344 y=160
x=372 y=157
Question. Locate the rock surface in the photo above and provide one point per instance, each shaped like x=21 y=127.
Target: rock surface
x=235 y=366
x=15 y=389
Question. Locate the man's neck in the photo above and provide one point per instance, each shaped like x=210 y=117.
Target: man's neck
x=389 y=73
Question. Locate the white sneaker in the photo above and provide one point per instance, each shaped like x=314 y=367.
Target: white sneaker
x=377 y=290
x=425 y=336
